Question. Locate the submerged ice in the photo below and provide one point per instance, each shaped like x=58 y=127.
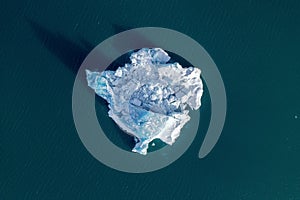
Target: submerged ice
x=148 y=97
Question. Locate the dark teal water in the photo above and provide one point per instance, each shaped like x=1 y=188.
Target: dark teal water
x=256 y=47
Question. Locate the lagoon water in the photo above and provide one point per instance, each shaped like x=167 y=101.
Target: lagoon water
x=256 y=48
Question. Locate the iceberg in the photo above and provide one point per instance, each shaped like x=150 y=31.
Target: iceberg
x=149 y=98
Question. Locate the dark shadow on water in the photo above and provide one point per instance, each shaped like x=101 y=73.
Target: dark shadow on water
x=70 y=53
x=67 y=51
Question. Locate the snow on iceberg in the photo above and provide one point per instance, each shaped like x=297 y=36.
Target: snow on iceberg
x=148 y=98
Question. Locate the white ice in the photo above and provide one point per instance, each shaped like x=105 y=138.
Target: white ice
x=148 y=97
